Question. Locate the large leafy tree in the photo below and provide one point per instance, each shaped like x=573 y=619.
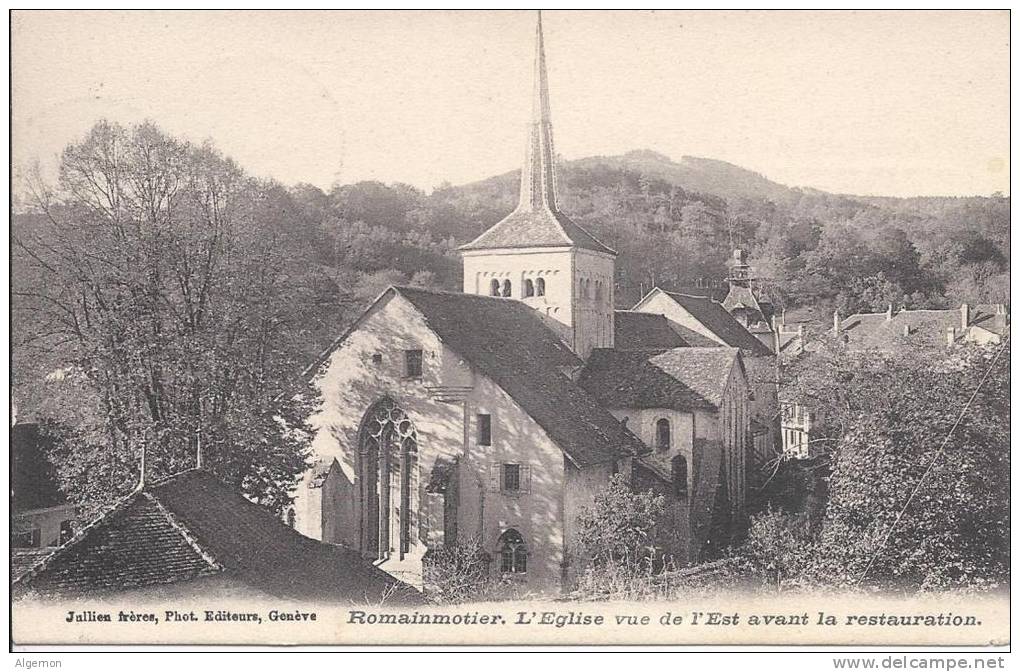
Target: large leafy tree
x=162 y=286
x=919 y=491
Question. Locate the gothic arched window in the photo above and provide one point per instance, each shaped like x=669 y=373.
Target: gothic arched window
x=540 y=287
x=506 y=287
x=494 y=287
x=529 y=288
x=598 y=290
x=513 y=555
x=662 y=435
x=679 y=475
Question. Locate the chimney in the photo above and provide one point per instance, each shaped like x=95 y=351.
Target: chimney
x=950 y=336
x=888 y=313
x=964 y=316
x=835 y=321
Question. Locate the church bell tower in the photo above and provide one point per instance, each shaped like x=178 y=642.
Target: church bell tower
x=537 y=254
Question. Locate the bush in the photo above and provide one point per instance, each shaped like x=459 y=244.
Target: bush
x=619 y=533
x=778 y=547
x=457 y=573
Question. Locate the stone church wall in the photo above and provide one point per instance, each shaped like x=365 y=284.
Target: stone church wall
x=350 y=382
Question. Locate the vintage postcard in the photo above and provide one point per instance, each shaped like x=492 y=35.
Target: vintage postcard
x=321 y=335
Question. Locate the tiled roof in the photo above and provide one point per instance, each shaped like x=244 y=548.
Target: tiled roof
x=33 y=478
x=193 y=525
x=679 y=378
x=877 y=330
x=717 y=320
x=507 y=341
x=536 y=227
x=741 y=297
x=692 y=338
x=23 y=559
x=644 y=331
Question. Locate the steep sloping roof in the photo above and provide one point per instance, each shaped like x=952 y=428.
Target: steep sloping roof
x=23 y=559
x=644 y=331
x=33 y=478
x=679 y=378
x=740 y=296
x=537 y=220
x=193 y=525
x=507 y=341
x=717 y=320
x=538 y=227
x=692 y=338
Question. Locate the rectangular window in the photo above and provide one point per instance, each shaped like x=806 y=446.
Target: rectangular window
x=377 y=358
x=511 y=478
x=484 y=429
x=412 y=363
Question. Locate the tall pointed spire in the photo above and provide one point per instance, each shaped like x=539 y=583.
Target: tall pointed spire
x=537 y=220
x=538 y=176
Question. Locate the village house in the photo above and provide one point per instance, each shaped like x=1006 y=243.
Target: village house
x=982 y=324
x=498 y=413
x=192 y=536
x=41 y=518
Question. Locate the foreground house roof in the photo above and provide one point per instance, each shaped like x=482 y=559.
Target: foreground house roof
x=682 y=379
x=192 y=526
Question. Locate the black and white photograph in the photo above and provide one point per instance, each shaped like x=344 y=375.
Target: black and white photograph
x=510 y=328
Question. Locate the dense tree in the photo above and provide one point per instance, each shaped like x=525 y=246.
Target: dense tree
x=919 y=442
x=165 y=283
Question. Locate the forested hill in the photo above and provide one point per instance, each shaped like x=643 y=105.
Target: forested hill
x=675 y=224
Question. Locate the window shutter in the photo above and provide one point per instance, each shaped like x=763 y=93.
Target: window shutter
x=525 y=478
x=495 y=476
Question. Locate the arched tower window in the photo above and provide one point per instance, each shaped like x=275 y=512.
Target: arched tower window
x=678 y=467
x=540 y=287
x=529 y=287
x=507 y=287
x=598 y=290
x=494 y=287
x=513 y=555
x=662 y=435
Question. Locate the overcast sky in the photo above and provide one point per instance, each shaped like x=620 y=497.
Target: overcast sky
x=869 y=103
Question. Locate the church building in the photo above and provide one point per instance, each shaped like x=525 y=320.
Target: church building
x=497 y=413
